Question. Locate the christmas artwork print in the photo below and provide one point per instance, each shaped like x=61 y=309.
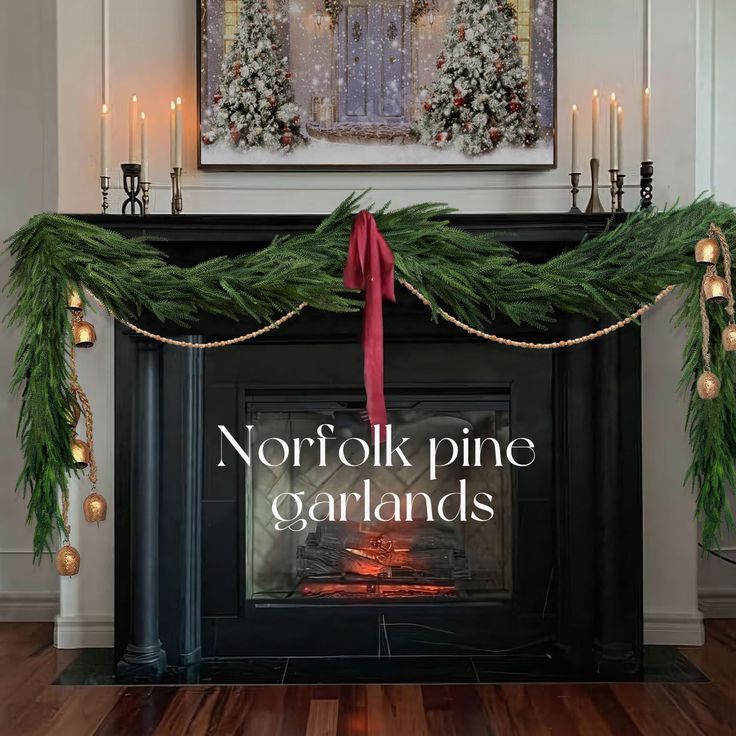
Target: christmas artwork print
x=391 y=83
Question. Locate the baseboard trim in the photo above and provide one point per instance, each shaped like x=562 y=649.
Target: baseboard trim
x=717 y=602
x=28 y=606
x=83 y=632
x=675 y=629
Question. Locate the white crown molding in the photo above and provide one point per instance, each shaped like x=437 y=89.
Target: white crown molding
x=674 y=629
x=29 y=606
x=84 y=632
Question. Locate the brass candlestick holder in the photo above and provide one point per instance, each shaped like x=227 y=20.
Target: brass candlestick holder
x=176 y=198
x=575 y=181
x=146 y=188
x=646 y=178
x=613 y=177
x=620 y=192
x=594 y=204
x=105 y=189
x=132 y=187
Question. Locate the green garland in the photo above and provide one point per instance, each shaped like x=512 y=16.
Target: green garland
x=471 y=276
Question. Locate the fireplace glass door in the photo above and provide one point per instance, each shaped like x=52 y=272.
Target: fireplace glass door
x=378 y=534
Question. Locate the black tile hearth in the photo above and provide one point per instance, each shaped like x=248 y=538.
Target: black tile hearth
x=661 y=664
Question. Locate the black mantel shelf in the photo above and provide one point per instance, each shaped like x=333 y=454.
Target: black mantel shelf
x=261 y=228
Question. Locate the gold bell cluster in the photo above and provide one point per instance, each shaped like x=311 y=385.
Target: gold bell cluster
x=95 y=506
x=715 y=289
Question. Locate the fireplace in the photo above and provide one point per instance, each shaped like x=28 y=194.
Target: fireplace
x=202 y=575
x=429 y=549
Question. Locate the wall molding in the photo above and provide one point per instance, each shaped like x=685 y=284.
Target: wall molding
x=29 y=605
x=84 y=632
x=675 y=629
x=717 y=602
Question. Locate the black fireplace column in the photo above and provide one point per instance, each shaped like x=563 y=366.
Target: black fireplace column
x=144 y=657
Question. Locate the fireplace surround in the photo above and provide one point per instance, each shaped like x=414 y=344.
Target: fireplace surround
x=558 y=577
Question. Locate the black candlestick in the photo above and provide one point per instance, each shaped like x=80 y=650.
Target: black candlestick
x=575 y=181
x=620 y=192
x=132 y=186
x=647 y=184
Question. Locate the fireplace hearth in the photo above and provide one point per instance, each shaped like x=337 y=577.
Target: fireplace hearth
x=202 y=575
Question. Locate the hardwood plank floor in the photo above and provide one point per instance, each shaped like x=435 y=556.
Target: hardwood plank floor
x=30 y=705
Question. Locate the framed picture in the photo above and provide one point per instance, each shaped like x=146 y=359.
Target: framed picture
x=377 y=84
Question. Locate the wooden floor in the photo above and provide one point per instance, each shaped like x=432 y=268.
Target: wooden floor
x=29 y=704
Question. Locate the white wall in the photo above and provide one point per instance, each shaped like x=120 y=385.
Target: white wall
x=28 y=163
x=717 y=584
x=601 y=44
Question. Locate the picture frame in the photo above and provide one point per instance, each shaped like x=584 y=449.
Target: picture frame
x=293 y=103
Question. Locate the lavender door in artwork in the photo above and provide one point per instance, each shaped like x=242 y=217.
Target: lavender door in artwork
x=374 y=61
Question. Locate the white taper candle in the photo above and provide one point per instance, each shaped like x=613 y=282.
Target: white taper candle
x=645 y=125
x=596 y=122
x=179 y=129
x=105 y=141
x=144 y=148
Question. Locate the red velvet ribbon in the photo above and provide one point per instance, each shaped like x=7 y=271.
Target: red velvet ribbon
x=370 y=268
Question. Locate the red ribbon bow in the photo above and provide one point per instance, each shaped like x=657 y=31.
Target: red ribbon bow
x=370 y=268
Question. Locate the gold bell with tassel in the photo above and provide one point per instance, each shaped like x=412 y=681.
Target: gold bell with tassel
x=74 y=303
x=80 y=453
x=95 y=508
x=67 y=560
x=715 y=289
x=707 y=251
x=709 y=386
x=83 y=333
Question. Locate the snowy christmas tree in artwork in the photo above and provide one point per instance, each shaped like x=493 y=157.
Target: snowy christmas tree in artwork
x=254 y=104
x=480 y=97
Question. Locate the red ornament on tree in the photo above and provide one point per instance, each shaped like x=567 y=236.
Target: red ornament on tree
x=459 y=100
x=467 y=127
x=272 y=100
x=216 y=97
x=427 y=105
x=514 y=106
x=498 y=66
x=495 y=135
x=286 y=138
x=287 y=74
x=207 y=140
x=441 y=136
x=514 y=38
x=440 y=61
x=461 y=32
x=237 y=66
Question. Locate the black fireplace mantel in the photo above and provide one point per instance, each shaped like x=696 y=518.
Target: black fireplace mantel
x=159 y=472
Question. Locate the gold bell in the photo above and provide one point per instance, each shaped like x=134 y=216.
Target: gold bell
x=715 y=289
x=67 y=560
x=73 y=413
x=709 y=386
x=707 y=251
x=80 y=453
x=84 y=334
x=728 y=337
x=74 y=303
x=95 y=507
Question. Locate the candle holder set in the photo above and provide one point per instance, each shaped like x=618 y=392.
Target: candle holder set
x=617 y=180
x=136 y=184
